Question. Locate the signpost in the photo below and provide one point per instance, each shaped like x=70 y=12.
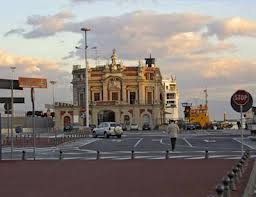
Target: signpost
x=0 y=137
x=241 y=101
x=12 y=85
x=32 y=83
x=15 y=100
x=7 y=83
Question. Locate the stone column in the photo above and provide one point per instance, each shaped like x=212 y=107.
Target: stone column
x=105 y=92
x=124 y=92
x=142 y=94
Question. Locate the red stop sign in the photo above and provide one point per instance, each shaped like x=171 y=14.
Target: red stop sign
x=241 y=97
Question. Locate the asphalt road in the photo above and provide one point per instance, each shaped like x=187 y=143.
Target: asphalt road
x=224 y=144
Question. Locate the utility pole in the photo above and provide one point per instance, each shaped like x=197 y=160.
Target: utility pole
x=53 y=103
x=85 y=30
x=12 y=110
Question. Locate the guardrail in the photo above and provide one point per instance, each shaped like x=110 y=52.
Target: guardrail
x=24 y=140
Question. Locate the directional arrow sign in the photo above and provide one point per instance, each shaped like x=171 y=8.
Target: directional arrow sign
x=7 y=84
x=15 y=100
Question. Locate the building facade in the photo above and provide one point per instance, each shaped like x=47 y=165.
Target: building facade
x=122 y=94
x=171 y=99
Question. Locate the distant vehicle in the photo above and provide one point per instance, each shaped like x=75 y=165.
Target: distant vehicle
x=146 y=126
x=197 y=125
x=190 y=127
x=107 y=129
x=72 y=127
x=67 y=128
x=18 y=129
x=134 y=126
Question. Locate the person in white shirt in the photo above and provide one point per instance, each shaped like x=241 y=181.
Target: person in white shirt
x=173 y=130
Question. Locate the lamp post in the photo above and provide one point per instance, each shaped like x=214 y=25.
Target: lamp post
x=53 y=103
x=12 y=110
x=85 y=30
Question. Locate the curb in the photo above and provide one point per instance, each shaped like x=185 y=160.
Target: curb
x=250 y=190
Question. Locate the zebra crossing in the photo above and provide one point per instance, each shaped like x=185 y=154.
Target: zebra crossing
x=73 y=153
x=150 y=147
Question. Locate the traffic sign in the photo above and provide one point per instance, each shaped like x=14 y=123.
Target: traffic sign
x=7 y=84
x=26 y=82
x=243 y=99
x=9 y=100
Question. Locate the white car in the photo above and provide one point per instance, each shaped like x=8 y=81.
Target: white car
x=134 y=126
x=107 y=129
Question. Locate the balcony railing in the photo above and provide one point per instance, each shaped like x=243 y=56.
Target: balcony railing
x=108 y=103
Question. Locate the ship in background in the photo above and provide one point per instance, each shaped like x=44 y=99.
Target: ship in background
x=197 y=115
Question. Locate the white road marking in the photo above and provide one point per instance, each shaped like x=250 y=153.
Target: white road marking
x=138 y=142
x=187 y=142
x=114 y=140
x=196 y=157
x=209 y=141
x=217 y=156
x=244 y=144
x=237 y=157
x=89 y=142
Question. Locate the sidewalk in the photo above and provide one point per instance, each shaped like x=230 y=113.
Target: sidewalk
x=136 y=178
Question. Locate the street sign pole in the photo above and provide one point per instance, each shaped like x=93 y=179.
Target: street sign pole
x=33 y=83
x=12 y=114
x=241 y=102
x=0 y=137
x=8 y=122
x=33 y=112
x=242 y=130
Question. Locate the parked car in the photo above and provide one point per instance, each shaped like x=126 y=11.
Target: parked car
x=134 y=126
x=197 y=126
x=146 y=126
x=68 y=128
x=107 y=129
x=18 y=129
x=72 y=127
x=190 y=127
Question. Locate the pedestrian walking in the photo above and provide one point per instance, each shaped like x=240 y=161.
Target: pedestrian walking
x=173 y=130
x=238 y=124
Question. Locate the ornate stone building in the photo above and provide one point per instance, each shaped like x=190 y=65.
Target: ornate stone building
x=122 y=94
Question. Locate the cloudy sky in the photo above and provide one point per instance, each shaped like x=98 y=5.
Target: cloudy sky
x=205 y=43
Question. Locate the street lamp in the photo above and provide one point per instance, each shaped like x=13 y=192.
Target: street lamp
x=85 y=30
x=12 y=110
x=53 y=102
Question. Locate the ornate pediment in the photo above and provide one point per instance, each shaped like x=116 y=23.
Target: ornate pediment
x=114 y=83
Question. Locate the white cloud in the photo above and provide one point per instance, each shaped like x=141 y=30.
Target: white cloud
x=235 y=26
x=230 y=69
x=44 y=26
x=27 y=64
